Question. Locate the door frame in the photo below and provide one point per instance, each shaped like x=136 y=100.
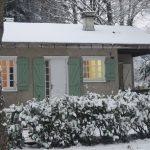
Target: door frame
x=66 y=64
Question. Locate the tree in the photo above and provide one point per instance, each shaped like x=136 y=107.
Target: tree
x=37 y=11
x=1 y=18
x=109 y=12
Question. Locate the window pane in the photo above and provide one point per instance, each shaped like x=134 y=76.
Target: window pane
x=84 y=75
x=46 y=63
x=99 y=72
x=92 y=62
x=92 y=73
x=47 y=77
x=99 y=75
x=4 y=83
x=47 y=84
x=4 y=76
x=11 y=69
x=11 y=77
x=11 y=83
x=11 y=63
x=4 y=70
x=47 y=70
x=99 y=62
x=47 y=92
x=84 y=63
x=3 y=62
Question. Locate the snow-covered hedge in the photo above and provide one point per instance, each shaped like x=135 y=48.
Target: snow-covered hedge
x=15 y=137
x=65 y=121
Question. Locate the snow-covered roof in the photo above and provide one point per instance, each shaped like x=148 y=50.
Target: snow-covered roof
x=72 y=33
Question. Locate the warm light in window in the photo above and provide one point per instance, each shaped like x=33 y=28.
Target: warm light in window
x=92 y=69
x=4 y=76
x=4 y=70
x=92 y=73
x=4 y=83
x=8 y=73
x=3 y=62
x=99 y=69
x=11 y=62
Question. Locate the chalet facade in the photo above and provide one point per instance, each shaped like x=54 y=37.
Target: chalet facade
x=42 y=59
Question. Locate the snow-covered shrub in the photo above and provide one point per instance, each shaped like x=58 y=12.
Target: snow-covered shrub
x=67 y=120
x=125 y=110
x=97 y=113
x=132 y=112
x=15 y=138
x=140 y=123
x=53 y=122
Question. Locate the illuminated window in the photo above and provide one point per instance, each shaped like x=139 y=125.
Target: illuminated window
x=8 y=74
x=93 y=68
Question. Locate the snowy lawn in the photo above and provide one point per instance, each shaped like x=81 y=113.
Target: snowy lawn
x=134 y=145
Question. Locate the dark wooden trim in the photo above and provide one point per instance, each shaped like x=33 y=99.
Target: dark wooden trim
x=134 y=52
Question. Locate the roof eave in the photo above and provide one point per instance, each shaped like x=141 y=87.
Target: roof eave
x=72 y=45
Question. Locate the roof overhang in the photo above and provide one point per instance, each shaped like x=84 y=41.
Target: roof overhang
x=135 y=52
x=122 y=48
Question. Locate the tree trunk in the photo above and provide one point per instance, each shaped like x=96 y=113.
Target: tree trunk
x=121 y=12
x=1 y=18
x=93 y=4
x=130 y=19
x=109 y=11
x=74 y=9
x=3 y=132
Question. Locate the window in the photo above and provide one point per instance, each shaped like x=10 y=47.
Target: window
x=93 y=68
x=47 y=78
x=8 y=74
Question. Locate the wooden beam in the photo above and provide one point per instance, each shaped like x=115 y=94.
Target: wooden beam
x=121 y=47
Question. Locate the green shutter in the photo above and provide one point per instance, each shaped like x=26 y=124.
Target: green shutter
x=22 y=73
x=38 y=78
x=75 y=76
x=110 y=69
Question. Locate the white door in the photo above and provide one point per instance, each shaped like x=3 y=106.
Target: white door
x=59 y=76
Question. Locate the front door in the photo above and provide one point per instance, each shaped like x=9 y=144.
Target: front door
x=58 y=76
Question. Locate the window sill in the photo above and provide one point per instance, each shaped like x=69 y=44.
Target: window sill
x=9 y=90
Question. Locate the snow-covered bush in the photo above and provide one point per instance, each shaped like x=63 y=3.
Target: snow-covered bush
x=67 y=120
x=15 y=137
x=125 y=110
x=53 y=122
x=132 y=112
x=140 y=123
x=100 y=111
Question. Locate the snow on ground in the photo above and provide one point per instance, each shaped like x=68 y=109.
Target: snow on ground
x=134 y=145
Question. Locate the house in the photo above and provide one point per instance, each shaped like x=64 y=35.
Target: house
x=43 y=59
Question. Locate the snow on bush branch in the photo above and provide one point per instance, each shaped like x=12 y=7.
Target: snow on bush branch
x=65 y=121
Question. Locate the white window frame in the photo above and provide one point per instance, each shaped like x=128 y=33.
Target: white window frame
x=11 y=89
x=103 y=68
